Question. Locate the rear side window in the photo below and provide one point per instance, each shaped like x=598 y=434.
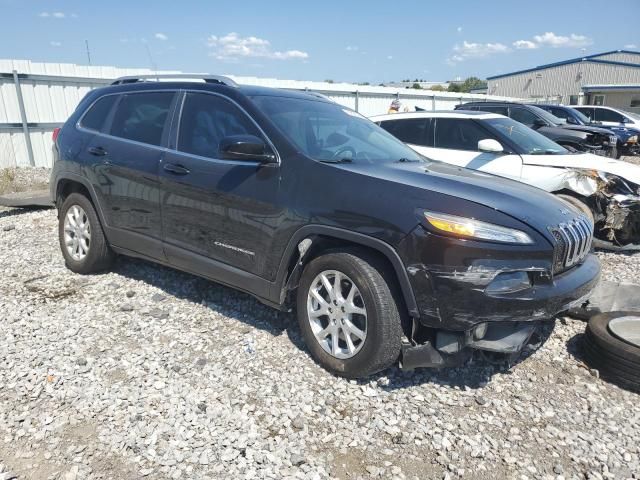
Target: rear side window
x=416 y=131
x=459 y=134
x=142 y=117
x=206 y=120
x=97 y=114
x=604 y=115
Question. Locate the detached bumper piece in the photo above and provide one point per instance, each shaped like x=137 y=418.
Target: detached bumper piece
x=454 y=348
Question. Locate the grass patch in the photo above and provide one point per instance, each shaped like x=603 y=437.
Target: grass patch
x=7 y=180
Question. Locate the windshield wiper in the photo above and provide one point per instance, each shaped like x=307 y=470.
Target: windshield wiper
x=338 y=160
x=545 y=152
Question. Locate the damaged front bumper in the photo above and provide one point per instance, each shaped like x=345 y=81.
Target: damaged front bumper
x=492 y=302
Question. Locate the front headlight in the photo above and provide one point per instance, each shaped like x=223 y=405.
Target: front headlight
x=470 y=228
x=632 y=139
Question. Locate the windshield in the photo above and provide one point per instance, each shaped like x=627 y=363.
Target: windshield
x=635 y=116
x=581 y=116
x=329 y=132
x=549 y=117
x=527 y=140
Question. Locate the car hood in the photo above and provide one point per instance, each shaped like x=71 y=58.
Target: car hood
x=588 y=161
x=525 y=203
x=588 y=129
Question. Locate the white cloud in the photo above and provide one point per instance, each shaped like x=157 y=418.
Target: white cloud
x=459 y=29
x=232 y=47
x=525 y=45
x=475 y=50
x=55 y=15
x=352 y=48
x=631 y=46
x=390 y=57
x=53 y=43
x=556 y=41
x=161 y=36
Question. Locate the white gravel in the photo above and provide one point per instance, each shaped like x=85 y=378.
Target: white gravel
x=148 y=372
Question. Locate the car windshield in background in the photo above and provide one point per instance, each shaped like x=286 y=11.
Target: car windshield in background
x=528 y=140
x=331 y=133
x=635 y=116
x=549 y=117
x=583 y=118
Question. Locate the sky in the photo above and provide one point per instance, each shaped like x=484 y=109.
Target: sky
x=349 y=40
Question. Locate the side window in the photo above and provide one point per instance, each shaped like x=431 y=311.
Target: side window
x=604 y=115
x=523 y=116
x=495 y=109
x=410 y=130
x=459 y=134
x=95 y=117
x=206 y=119
x=142 y=117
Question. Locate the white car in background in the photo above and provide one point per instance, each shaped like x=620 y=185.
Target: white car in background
x=605 y=189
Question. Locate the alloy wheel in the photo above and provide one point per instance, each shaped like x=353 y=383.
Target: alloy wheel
x=337 y=314
x=77 y=233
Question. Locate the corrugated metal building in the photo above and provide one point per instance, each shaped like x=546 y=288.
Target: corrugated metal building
x=567 y=81
x=37 y=97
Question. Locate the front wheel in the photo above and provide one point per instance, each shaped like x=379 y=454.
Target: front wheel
x=348 y=315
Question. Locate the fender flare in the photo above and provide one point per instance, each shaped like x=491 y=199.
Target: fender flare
x=73 y=177
x=357 y=238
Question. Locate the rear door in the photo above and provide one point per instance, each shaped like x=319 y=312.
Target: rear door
x=213 y=209
x=129 y=154
x=456 y=142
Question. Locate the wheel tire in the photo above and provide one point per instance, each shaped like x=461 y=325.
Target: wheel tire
x=99 y=255
x=381 y=347
x=615 y=359
x=583 y=207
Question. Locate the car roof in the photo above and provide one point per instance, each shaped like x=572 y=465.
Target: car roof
x=437 y=114
x=247 y=90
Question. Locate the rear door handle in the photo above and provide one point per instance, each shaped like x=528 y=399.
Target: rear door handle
x=97 y=151
x=176 y=169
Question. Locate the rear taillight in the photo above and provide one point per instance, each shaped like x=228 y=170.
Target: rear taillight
x=54 y=135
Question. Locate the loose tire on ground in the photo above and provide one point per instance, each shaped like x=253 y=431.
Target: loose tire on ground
x=615 y=359
x=581 y=206
x=99 y=255
x=381 y=347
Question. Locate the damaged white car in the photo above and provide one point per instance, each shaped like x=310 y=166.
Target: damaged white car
x=605 y=189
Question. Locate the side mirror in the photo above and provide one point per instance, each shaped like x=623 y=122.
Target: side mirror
x=572 y=120
x=489 y=145
x=538 y=122
x=626 y=120
x=246 y=147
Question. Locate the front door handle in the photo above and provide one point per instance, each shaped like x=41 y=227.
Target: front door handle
x=175 y=169
x=97 y=151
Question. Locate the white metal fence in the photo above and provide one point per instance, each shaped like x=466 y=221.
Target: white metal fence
x=37 y=97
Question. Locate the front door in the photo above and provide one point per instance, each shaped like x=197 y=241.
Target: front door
x=456 y=142
x=216 y=209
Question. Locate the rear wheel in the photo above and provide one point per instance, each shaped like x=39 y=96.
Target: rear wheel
x=82 y=241
x=348 y=315
x=581 y=206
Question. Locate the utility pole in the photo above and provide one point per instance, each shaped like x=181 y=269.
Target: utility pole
x=86 y=43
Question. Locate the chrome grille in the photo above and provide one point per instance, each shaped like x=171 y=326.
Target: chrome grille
x=573 y=243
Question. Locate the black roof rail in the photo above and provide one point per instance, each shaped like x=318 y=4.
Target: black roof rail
x=219 y=79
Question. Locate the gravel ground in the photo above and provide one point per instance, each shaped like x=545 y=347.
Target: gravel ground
x=21 y=179
x=145 y=371
x=148 y=372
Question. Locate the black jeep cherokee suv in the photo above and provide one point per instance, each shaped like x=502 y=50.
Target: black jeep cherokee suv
x=300 y=201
